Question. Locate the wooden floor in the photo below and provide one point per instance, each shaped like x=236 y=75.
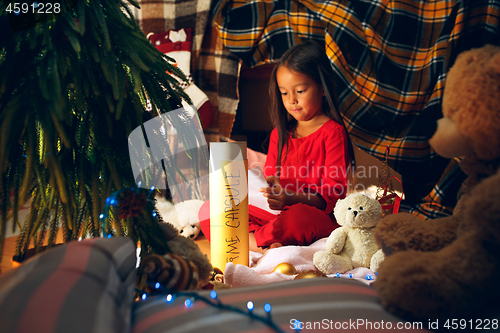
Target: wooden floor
x=8 y=253
x=10 y=246
x=203 y=244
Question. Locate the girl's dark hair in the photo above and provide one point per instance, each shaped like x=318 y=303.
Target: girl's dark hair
x=308 y=58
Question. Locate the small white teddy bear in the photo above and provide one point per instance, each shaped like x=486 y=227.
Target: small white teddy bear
x=352 y=245
x=183 y=216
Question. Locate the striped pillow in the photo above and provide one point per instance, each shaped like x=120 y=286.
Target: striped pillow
x=330 y=304
x=84 y=286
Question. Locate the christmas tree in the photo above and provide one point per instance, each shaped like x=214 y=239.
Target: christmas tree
x=75 y=81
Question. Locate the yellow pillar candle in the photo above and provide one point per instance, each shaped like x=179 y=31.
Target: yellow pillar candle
x=228 y=183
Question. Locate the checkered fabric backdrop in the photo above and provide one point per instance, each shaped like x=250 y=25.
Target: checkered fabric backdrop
x=391 y=58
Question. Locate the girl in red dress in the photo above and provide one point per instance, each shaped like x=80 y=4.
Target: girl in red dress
x=310 y=154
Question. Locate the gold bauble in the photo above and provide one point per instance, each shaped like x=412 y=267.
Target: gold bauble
x=309 y=275
x=285 y=268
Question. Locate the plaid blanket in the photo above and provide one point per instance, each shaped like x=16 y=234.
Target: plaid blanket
x=391 y=58
x=214 y=69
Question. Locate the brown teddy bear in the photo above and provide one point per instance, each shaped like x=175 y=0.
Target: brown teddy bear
x=447 y=268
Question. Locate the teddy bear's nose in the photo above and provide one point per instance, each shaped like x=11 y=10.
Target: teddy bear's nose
x=355 y=213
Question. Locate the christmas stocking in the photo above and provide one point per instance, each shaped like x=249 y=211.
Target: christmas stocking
x=177 y=45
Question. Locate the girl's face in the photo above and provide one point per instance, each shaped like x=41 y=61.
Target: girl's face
x=301 y=95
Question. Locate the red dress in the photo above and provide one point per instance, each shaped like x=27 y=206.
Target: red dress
x=313 y=164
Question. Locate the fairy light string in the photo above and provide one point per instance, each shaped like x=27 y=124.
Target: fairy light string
x=214 y=301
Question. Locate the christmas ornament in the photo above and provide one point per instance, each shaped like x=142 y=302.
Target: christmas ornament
x=131 y=204
x=309 y=275
x=285 y=268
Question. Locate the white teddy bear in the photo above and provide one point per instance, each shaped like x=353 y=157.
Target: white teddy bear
x=183 y=216
x=352 y=245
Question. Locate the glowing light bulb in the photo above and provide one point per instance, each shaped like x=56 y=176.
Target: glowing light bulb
x=101 y=216
x=112 y=202
x=157 y=285
x=213 y=294
x=350 y=275
x=188 y=302
x=109 y=236
x=338 y=274
x=267 y=307
x=369 y=277
x=297 y=325
x=144 y=296
x=139 y=184
x=250 y=305
x=170 y=298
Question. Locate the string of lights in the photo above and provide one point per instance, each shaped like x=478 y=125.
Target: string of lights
x=214 y=300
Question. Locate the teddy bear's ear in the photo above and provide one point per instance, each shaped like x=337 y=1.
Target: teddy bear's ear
x=339 y=210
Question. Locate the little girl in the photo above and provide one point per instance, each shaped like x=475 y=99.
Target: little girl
x=309 y=155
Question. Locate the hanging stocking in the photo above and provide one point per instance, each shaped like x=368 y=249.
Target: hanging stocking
x=177 y=45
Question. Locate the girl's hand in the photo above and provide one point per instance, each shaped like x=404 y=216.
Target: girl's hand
x=276 y=197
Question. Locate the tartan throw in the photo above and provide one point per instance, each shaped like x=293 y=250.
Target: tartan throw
x=214 y=69
x=391 y=58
